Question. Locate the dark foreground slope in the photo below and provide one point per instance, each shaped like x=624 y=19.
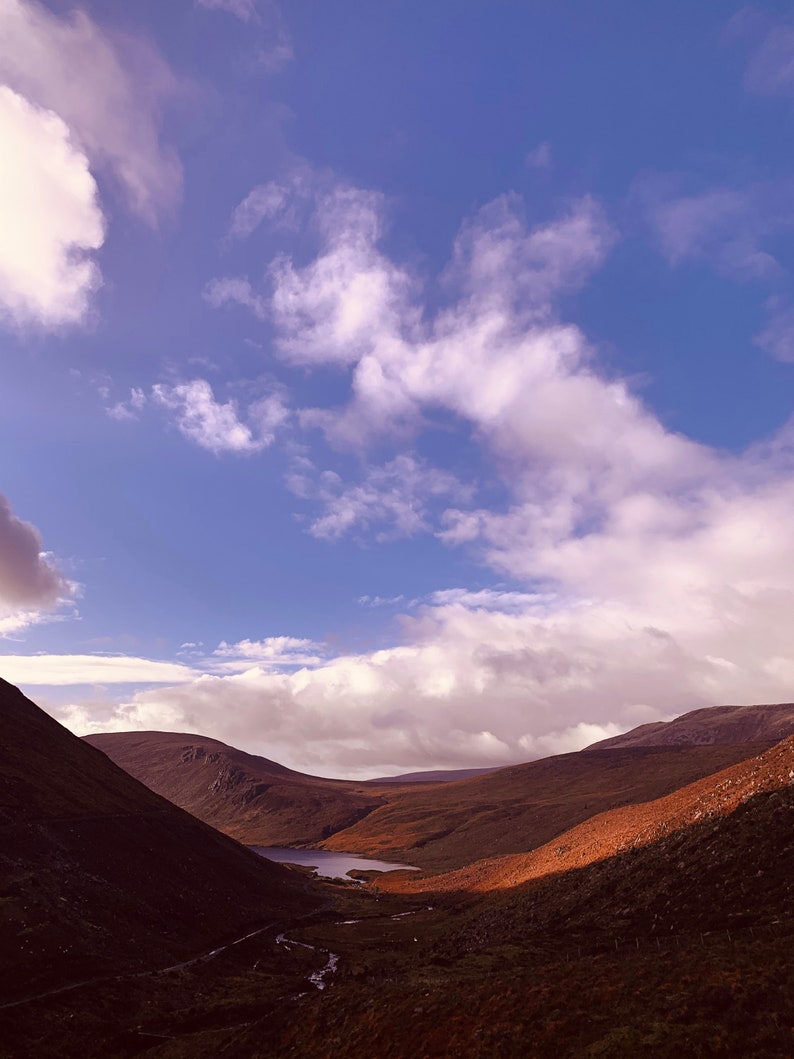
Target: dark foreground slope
x=99 y=875
x=715 y=724
x=251 y=798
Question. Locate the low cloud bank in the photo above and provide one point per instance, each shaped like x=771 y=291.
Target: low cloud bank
x=474 y=686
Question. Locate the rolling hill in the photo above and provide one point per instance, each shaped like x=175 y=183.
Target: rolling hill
x=434 y=776
x=100 y=875
x=628 y=828
x=432 y=825
x=519 y=808
x=250 y=798
x=714 y=724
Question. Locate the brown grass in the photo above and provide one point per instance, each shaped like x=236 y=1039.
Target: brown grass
x=610 y=833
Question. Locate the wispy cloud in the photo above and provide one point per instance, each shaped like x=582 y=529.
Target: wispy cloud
x=735 y=230
x=272 y=653
x=490 y=599
x=770 y=64
x=287 y=205
x=385 y=601
x=217 y=426
x=725 y=226
x=64 y=670
x=274 y=48
x=539 y=157
x=237 y=290
x=777 y=335
x=129 y=409
x=393 y=500
x=245 y=10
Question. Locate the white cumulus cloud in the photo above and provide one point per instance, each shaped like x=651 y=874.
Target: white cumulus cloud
x=108 y=88
x=50 y=220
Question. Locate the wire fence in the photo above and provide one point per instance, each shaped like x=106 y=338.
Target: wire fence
x=774 y=930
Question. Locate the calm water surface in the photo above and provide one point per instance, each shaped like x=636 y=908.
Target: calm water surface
x=328 y=863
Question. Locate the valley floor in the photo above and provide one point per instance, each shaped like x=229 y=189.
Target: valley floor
x=418 y=981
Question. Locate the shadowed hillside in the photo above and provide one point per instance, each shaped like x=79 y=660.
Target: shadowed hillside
x=434 y=776
x=715 y=724
x=98 y=874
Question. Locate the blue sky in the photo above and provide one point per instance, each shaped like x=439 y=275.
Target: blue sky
x=395 y=385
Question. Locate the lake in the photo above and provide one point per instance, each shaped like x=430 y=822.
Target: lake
x=329 y=863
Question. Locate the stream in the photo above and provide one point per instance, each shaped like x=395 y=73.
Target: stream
x=317 y=978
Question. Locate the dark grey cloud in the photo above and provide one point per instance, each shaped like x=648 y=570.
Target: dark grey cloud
x=27 y=577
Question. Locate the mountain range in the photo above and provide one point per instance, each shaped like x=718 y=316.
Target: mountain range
x=440 y=825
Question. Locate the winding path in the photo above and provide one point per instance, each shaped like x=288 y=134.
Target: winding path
x=317 y=978
x=205 y=957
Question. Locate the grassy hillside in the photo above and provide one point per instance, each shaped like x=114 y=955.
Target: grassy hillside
x=628 y=828
x=250 y=798
x=680 y=946
x=432 y=825
x=517 y=809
